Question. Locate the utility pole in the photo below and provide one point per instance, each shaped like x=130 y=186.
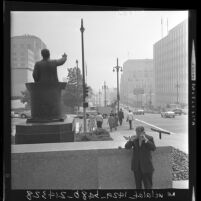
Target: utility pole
x=84 y=108
x=99 y=93
x=117 y=68
x=104 y=87
x=77 y=86
x=177 y=86
x=150 y=92
x=127 y=99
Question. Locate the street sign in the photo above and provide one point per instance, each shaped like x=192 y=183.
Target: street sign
x=138 y=91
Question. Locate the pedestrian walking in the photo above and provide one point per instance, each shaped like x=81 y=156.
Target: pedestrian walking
x=130 y=119
x=91 y=123
x=99 y=120
x=111 y=122
x=120 y=116
x=141 y=163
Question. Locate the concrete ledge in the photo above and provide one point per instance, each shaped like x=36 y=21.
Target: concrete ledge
x=47 y=168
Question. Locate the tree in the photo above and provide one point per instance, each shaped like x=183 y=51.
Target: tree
x=73 y=93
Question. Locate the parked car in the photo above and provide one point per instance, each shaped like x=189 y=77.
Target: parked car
x=25 y=114
x=139 y=111
x=168 y=114
x=14 y=114
x=177 y=111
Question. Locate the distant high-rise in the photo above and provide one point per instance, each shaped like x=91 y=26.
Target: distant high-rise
x=25 y=51
x=171 y=67
x=137 y=77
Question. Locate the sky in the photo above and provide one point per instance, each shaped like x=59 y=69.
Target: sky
x=108 y=35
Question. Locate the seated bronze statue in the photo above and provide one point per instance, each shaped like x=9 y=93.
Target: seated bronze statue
x=46 y=69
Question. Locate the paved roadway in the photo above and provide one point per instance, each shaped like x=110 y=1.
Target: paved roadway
x=178 y=127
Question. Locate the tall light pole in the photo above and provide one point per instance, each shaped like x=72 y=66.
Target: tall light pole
x=150 y=93
x=83 y=74
x=105 y=87
x=117 y=68
x=99 y=93
x=177 y=86
x=127 y=99
x=77 y=86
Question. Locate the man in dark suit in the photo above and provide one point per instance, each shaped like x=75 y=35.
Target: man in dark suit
x=46 y=69
x=141 y=163
x=120 y=116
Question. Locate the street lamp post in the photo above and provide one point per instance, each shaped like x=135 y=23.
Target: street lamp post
x=84 y=109
x=117 y=68
x=105 y=87
x=99 y=93
x=77 y=86
x=150 y=93
x=177 y=86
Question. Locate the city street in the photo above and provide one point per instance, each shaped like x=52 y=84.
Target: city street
x=178 y=127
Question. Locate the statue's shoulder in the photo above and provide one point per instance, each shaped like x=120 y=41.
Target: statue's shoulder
x=39 y=62
x=52 y=61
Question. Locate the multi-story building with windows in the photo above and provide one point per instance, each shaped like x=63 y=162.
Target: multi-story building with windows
x=137 y=83
x=171 y=67
x=25 y=51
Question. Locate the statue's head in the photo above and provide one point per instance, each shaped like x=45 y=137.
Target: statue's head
x=45 y=53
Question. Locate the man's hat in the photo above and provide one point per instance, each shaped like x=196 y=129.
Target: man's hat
x=140 y=129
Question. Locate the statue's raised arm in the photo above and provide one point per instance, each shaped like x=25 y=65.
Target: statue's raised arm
x=46 y=69
x=62 y=60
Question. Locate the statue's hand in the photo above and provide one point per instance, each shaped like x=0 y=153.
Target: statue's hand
x=64 y=55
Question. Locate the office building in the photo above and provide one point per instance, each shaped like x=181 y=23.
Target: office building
x=170 y=56
x=25 y=51
x=137 y=83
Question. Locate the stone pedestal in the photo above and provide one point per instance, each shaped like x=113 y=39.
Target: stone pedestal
x=47 y=123
x=46 y=101
x=34 y=133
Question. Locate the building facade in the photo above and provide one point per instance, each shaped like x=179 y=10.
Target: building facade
x=171 y=67
x=25 y=51
x=137 y=83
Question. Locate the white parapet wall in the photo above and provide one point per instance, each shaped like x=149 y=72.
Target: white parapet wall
x=82 y=165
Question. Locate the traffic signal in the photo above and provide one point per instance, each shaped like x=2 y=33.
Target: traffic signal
x=86 y=91
x=85 y=104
